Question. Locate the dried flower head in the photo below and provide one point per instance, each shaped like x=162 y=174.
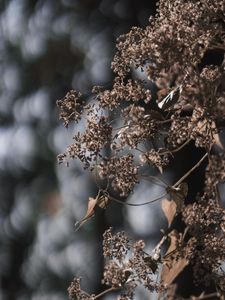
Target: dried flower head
x=122 y=172
x=71 y=107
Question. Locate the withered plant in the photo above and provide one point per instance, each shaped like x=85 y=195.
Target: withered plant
x=129 y=129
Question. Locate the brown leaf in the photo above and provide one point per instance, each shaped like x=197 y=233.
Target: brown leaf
x=169 y=293
x=217 y=141
x=169 y=273
x=178 y=194
x=174 y=237
x=173 y=266
x=102 y=202
x=170 y=210
x=90 y=212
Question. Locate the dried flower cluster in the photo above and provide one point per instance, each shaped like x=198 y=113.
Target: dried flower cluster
x=206 y=222
x=172 y=53
x=71 y=107
x=122 y=172
x=127 y=267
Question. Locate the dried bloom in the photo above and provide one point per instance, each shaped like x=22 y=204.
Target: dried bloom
x=138 y=127
x=156 y=158
x=132 y=91
x=75 y=292
x=71 y=107
x=139 y=245
x=208 y=257
x=178 y=132
x=205 y=220
x=122 y=172
x=114 y=275
x=115 y=246
x=97 y=134
x=75 y=151
x=128 y=269
x=88 y=145
x=203 y=217
x=202 y=128
x=215 y=171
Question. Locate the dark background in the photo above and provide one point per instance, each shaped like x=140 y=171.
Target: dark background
x=47 y=48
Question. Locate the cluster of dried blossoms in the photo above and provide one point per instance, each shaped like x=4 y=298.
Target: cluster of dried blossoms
x=127 y=267
x=190 y=106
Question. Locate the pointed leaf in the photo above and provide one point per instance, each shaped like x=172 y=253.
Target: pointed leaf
x=101 y=202
x=170 y=273
x=89 y=213
x=173 y=266
x=170 y=210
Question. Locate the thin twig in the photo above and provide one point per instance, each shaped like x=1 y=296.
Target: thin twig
x=177 y=149
x=107 y=291
x=205 y=296
x=190 y=171
x=135 y=204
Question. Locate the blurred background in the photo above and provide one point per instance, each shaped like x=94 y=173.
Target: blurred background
x=48 y=47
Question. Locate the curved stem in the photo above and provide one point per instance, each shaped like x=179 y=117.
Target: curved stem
x=107 y=291
x=136 y=204
x=161 y=182
x=190 y=171
x=177 y=149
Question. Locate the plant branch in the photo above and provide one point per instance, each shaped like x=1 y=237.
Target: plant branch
x=107 y=291
x=135 y=204
x=177 y=149
x=190 y=171
x=212 y=295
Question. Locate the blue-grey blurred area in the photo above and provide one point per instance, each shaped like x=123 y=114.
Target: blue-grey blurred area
x=48 y=47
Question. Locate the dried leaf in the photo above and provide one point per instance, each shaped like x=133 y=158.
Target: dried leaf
x=178 y=195
x=90 y=212
x=173 y=266
x=217 y=141
x=169 y=293
x=174 y=237
x=170 y=273
x=170 y=210
x=102 y=202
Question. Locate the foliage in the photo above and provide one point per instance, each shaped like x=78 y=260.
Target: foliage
x=171 y=53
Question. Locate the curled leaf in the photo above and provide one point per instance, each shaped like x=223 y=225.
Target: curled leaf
x=89 y=213
x=101 y=201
